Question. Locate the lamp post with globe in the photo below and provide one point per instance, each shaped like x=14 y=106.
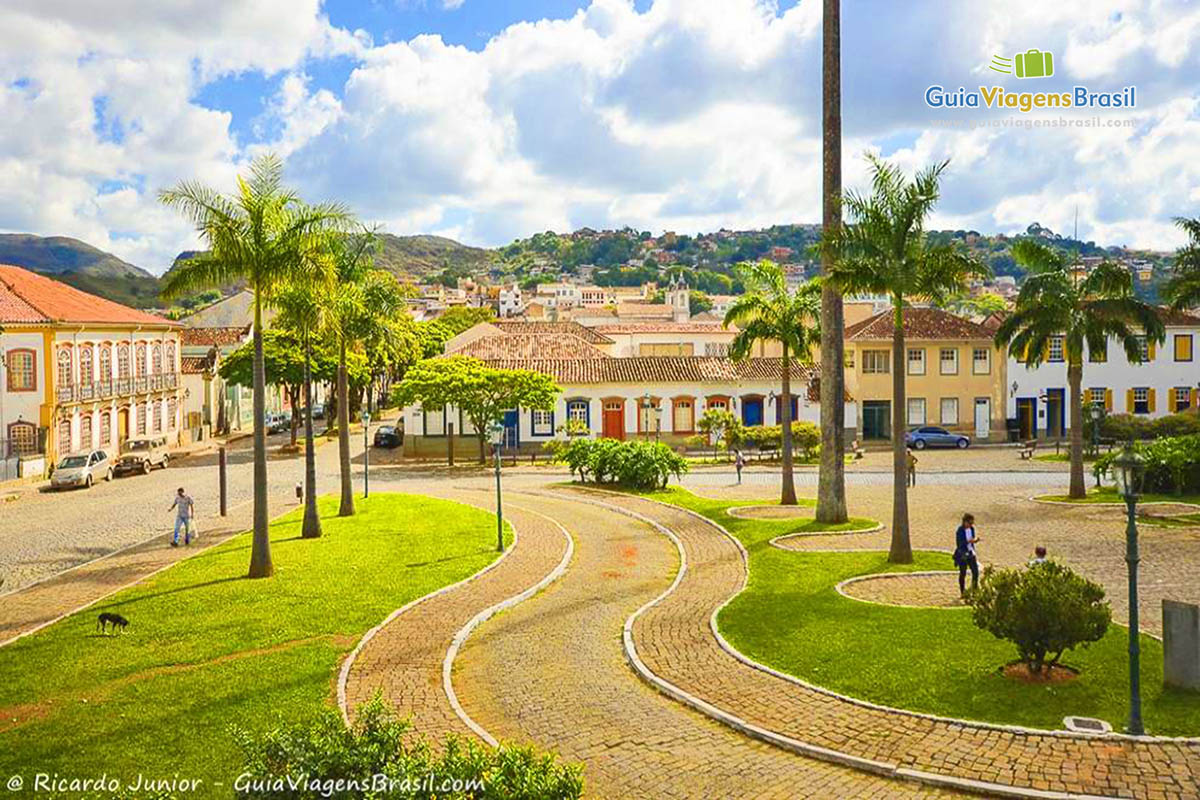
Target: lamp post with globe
x=497 y=436
x=1131 y=468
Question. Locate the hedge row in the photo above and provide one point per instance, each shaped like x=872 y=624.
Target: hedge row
x=635 y=465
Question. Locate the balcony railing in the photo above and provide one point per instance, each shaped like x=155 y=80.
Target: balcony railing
x=121 y=387
x=141 y=385
x=124 y=386
x=65 y=393
x=104 y=389
x=87 y=391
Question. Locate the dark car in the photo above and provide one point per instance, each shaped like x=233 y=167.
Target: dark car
x=388 y=436
x=930 y=436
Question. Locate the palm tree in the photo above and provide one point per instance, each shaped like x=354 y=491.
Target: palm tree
x=302 y=310
x=1183 y=288
x=768 y=311
x=1057 y=300
x=261 y=234
x=884 y=251
x=352 y=259
x=831 y=480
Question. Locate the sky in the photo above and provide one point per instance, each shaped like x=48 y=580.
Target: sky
x=489 y=120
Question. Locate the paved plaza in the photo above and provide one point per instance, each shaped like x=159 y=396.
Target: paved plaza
x=656 y=707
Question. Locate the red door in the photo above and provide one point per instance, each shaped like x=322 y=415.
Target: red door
x=614 y=419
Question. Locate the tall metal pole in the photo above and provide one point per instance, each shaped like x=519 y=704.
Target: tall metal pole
x=222 y=477
x=366 y=463
x=1131 y=560
x=499 y=506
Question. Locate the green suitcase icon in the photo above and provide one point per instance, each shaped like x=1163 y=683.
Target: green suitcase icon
x=1033 y=63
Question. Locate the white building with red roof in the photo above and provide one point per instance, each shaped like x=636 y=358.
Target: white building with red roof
x=79 y=372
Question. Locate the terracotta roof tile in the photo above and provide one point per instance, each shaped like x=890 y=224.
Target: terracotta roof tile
x=213 y=337
x=665 y=327
x=195 y=365
x=657 y=369
x=531 y=345
x=34 y=298
x=574 y=328
x=1181 y=319
x=919 y=323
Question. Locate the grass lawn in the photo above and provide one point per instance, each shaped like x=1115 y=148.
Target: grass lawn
x=1063 y=457
x=931 y=660
x=207 y=648
x=1109 y=494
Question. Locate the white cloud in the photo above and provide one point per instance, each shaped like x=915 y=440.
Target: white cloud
x=695 y=114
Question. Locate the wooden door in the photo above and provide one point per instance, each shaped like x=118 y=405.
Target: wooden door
x=122 y=426
x=614 y=419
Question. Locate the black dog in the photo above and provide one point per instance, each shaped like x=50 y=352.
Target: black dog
x=108 y=617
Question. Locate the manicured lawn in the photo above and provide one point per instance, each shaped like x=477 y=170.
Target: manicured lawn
x=1063 y=457
x=935 y=661
x=1109 y=494
x=207 y=648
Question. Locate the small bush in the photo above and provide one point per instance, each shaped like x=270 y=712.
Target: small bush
x=1044 y=610
x=331 y=761
x=634 y=465
x=1172 y=464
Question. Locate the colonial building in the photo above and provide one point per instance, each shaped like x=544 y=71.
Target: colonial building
x=954 y=374
x=80 y=371
x=1164 y=380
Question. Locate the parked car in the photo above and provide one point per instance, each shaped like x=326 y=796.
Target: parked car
x=318 y=411
x=930 y=436
x=142 y=455
x=81 y=469
x=388 y=436
x=278 y=423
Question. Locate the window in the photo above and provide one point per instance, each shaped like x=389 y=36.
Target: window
x=916 y=362
x=577 y=411
x=718 y=403
x=949 y=361
x=105 y=428
x=671 y=349
x=85 y=431
x=105 y=362
x=1141 y=400
x=141 y=361
x=435 y=421
x=719 y=349
x=1098 y=355
x=172 y=407
x=1183 y=347
x=22 y=438
x=981 y=361
x=65 y=377
x=1096 y=395
x=171 y=357
x=949 y=411
x=916 y=411
x=85 y=364
x=543 y=423
x=1183 y=398
x=1144 y=344
x=123 y=361
x=155 y=410
x=682 y=421
x=142 y=411
x=1054 y=350
x=63 y=442
x=648 y=415
x=22 y=371
x=876 y=362
x=156 y=359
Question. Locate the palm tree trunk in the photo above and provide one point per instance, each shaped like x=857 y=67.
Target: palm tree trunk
x=311 y=528
x=260 y=548
x=1075 y=382
x=346 y=508
x=294 y=423
x=831 y=481
x=901 y=549
x=788 y=495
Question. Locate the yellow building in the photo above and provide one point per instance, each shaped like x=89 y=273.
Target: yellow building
x=955 y=376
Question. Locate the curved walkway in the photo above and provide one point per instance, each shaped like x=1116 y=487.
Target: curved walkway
x=553 y=671
x=677 y=643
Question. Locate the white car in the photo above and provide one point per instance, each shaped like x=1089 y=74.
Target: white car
x=82 y=469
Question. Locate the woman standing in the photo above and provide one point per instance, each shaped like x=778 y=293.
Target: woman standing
x=964 y=553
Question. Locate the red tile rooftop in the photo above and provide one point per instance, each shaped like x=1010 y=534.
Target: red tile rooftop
x=29 y=298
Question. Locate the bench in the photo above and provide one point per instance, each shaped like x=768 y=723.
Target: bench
x=1028 y=449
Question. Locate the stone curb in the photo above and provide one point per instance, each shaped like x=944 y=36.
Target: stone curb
x=1038 y=499
x=488 y=613
x=807 y=534
x=840 y=588
x=348 y=662
x=797 y=746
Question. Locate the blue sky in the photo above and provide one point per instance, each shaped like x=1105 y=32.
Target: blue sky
x=487 y=120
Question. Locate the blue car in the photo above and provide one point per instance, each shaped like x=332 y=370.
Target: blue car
x=930 y=436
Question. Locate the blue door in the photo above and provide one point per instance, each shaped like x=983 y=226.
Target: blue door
x=512 y=430
x=752 y=411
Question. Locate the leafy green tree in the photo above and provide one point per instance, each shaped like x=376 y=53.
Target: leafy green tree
x=262 y=234
x=1056 y=300
x=699 y=302
x=482 y=393
x=978 y=305
x=769 y=311
x=718 y=426
x=1044 y=610
x=1183 y=287
x=454 y=321
x=883 y=250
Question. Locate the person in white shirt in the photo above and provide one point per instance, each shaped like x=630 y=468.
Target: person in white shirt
x=184 y=510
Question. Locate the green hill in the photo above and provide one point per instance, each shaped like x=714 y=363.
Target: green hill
x=81 y=265
x=418 y=257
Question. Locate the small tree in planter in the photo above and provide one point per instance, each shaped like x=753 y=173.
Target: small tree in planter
x=1044 y=610
x=719 y=427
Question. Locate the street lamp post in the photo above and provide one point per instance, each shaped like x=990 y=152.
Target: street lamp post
x=497 y=432
x=645 y=417
x=1095 y=412
x=366 y=421
x=1131 y=467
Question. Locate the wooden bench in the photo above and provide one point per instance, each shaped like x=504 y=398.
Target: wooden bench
x=1028 y=449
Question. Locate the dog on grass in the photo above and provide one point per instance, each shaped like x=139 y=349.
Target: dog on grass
x=107 y=618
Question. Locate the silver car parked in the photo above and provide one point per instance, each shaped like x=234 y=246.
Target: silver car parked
x=82 y=469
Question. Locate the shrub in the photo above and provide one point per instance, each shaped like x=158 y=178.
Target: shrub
x=332 y=761
x=1124 y=427
x=1044 y=610
x=805 y=437
x=720 y=426
x=634 y=465
x=1172 y=464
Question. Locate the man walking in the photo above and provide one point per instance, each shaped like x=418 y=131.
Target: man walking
x=912 y=468
x=739 y=461
x=183 y=517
